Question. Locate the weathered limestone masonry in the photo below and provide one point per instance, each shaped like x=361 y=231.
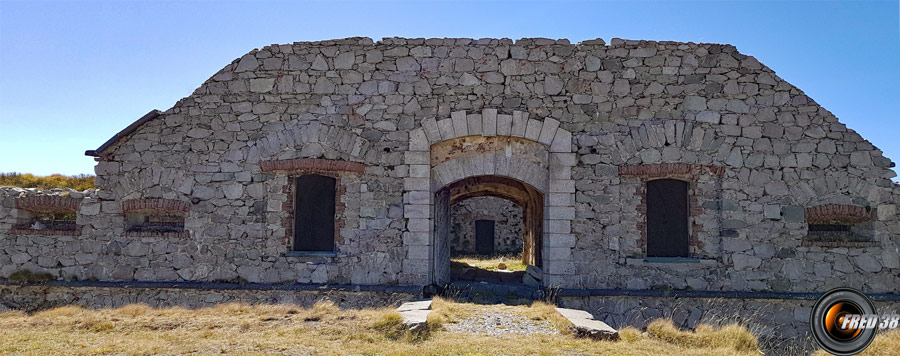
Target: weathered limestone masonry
x=31 y=298
x=507 y=218
x=203 y=192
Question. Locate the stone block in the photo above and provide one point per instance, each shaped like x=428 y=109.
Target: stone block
x=558 y=253
x=445 y=127
x=519 y=124
x=417 y=197
x=417 y=157
x=561 y=212
x=566 y=240
x=504 y=125
x=418 y=225
x=562 y=186
x=431 y=130
x=411 y=238
x=418 y=252
x=562 y=141
x=417 y=211
x=563 y=159
x=416 y=266
x=474 y=123
x=419 y=170
x=793 y=214
x=418 y=141
x=887 y=212
x=416 y=184
x=533 y=129
x=772 y=212
x=561 y=199
x=489 y=120
x=548 y=131
x=460 y=123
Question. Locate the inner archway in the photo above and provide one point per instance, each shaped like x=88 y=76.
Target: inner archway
x=525 y=196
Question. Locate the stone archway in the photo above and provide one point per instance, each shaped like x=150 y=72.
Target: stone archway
x=530 y=199
x=498 y=147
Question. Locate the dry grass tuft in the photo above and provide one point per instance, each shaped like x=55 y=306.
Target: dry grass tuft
x=630 y=335
x=544 y=311
x=447 y=311
x=733 y=336
x=31 y=277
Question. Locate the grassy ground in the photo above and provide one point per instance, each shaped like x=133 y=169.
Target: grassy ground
x=512 y=261
x=327 y=330
x=78 y=182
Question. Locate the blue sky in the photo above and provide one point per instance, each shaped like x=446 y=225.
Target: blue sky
x=74 y=73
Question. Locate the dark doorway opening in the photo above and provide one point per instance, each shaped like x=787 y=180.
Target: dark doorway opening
x=667 y=218
x=484 y=237
x=314 y=206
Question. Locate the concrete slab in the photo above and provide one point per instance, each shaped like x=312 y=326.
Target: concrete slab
x=415 y=314
x=586 y=326
x=415 y=305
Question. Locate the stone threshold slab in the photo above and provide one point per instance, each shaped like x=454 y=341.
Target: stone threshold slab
x=415 y=314
x=586 y=326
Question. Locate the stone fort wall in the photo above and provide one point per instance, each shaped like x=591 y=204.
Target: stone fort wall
x=763 y=161
x=507 y=218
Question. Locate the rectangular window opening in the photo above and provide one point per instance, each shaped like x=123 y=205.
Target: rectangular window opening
x=668 y=233
x=314 y=213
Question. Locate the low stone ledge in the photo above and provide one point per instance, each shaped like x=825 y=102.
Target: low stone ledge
x=585 y=325
x=709 y=294
x=222 y=286
x=35 y=297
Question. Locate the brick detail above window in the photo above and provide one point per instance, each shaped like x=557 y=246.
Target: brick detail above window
x=313 y=165
x=32 y=232
x=833 y=213
x=156 y=205
x=675 y=170
x=48 y=204
x=836 y=244
x=181 y=234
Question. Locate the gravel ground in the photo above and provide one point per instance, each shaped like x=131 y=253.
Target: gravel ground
x=498 y=323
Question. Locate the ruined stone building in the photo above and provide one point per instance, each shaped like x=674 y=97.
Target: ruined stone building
x=631 y=165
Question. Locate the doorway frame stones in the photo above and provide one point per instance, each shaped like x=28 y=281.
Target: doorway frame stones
x=554 y=181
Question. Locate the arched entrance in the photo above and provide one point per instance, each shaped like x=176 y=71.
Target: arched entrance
x=522 y=194
x=487 y=153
